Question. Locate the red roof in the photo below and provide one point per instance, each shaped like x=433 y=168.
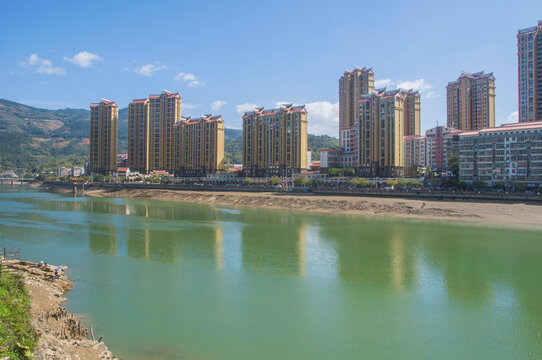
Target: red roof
x=104 y=102
x=506 y=127
x=234 y=169
x=138 y=101
x=122 y=169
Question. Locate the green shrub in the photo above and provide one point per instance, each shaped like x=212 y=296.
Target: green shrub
x=301 y=181
x=275 y=180
x=17 y=337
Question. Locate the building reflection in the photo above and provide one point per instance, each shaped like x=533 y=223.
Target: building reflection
x=395 y=255
x=103 y=238
x=271 y=243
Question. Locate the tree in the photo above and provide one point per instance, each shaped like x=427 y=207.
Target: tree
x=249 y=181
x=301 y=181
x=99 y=178
x=453 y=165
x=349 y=172
x=275 y=180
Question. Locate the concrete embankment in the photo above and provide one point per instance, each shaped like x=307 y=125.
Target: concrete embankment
x=417 y=195
x=62 y=335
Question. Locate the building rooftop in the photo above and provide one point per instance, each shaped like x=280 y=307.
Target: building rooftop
x=105 y=102
x=167 y=94
x=139 y=101
x=206 y=117
x=475 y=76
x=505 y=127
x=382 y=92
x=288 y=108
x=530 y=28
x=358 y=69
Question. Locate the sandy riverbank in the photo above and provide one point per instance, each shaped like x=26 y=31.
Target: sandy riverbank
x=61 y=334
x=502 y=214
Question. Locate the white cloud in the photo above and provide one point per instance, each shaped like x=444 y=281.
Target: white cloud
x=33 y=59
x=83 y=59
x=242 y=108
x=323 y=118
x=419 y=84
x=425 y=89
x=190 y=106
x=191 y=79
x=149 y=69
x=43 y=66
x=383 y=83
x=217 y=104
x=513 y=117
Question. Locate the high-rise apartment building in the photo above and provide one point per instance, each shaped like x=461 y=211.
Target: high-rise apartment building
x=352 y=85
x=471 y=101
x=530 y=73
x=138 y=136
x=199 y=145
x=275 y=140
x=385 y=117
x=164 y=112
x=103 y=137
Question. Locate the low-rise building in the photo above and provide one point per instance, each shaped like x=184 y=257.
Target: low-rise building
x=62 y=171
x=9 y=174
x=508 y=153
x=414 y=146
x=330 y=158
x=77 y=171
x=436 y=148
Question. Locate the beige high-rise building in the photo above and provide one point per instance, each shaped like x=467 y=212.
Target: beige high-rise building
x=138 y=136
x=530 y=73
x=103 y=137
x=275 y=141
x=471 y=101
x=352 y=85
x=385 y=117
x=164 y=112
x=199 y=145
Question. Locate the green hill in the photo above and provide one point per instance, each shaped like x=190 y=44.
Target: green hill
x=40 y=140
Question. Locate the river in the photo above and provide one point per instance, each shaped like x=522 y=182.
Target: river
x=165 y=280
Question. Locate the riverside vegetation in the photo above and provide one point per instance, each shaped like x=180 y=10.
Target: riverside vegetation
x=17 y=336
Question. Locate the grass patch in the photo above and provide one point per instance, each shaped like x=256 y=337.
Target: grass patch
x=17 y=337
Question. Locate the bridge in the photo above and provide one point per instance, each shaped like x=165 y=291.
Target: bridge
x=17 y=180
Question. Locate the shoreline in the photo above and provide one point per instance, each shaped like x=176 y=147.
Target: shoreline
x=61 y=335
x=485 y=213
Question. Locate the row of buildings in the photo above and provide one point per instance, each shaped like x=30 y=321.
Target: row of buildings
x=159 y=138
x=379 y=130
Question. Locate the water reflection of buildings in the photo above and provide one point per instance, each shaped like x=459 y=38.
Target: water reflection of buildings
x=102 y=238
x=271 y=243
x=401 y=256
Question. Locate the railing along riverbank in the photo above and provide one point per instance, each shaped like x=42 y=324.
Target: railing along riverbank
x=408 y=194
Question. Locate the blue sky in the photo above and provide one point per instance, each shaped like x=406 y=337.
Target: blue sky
x=224 y=57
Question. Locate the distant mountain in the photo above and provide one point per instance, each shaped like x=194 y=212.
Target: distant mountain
x=33 y=139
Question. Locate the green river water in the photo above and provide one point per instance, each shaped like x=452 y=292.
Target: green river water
x=166 y=280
